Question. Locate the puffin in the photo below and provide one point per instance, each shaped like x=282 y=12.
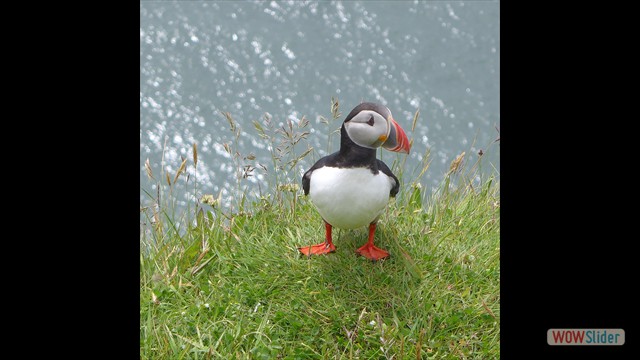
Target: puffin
x=351 y=188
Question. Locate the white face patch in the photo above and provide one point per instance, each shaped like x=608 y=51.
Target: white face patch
x=368 y=129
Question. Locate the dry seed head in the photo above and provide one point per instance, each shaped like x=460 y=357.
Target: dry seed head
x=232 y=123
x=415 y=120
x=303 y=122
x=335 y=112
x=260 y=129
x=305 y=153
x=147 y=167
x=456 y=163
x=195 y=155
x=247 y=171
x=180 y=169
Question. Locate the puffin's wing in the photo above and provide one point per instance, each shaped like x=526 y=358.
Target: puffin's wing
x=306 y=178
x=385 y=169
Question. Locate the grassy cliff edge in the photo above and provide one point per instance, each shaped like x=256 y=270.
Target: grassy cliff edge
x=227 y=284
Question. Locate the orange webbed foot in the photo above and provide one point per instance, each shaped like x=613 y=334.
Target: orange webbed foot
x=372 y=252
x=317 y=249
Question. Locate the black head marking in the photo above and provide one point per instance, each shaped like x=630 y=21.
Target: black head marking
x=379 y=108
x=370 y=122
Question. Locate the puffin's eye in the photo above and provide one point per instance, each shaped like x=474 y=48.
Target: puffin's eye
x=370 y=122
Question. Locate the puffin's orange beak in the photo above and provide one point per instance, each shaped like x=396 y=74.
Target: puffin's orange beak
x=397 y=140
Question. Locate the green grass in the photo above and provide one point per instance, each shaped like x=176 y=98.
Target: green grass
x=231 y=284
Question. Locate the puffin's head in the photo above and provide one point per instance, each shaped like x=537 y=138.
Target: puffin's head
x=371 y=125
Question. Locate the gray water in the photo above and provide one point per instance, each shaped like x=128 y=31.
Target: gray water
x=288 y=59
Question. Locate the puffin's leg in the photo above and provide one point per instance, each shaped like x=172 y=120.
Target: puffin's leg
x=369 y=250
x=324 y=248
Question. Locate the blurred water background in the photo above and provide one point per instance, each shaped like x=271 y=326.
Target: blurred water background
x=285 y=60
